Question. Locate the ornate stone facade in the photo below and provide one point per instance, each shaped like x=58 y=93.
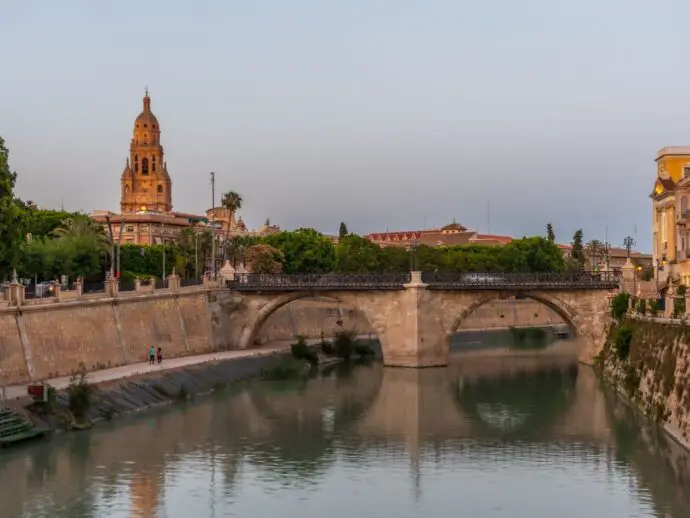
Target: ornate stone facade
x=146 y=184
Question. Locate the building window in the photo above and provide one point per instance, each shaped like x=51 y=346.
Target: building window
x=160 y=189
x=144 y=166
x=146 y=138
x=129 y=229
x=153 y=164
x=136 y=163
x=146 y=125
x=686 y=172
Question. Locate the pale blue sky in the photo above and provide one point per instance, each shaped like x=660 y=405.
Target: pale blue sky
x=383 y=113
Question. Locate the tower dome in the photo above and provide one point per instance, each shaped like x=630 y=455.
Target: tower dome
x=146 y=119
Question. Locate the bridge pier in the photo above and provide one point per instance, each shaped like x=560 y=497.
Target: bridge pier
x=412 y=344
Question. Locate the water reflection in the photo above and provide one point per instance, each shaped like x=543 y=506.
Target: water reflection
x=487 y=436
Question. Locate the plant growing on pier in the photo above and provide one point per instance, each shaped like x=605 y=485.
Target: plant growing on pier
x=344 y=343
x=302 y=351
x=619 y=305
x=79 y=394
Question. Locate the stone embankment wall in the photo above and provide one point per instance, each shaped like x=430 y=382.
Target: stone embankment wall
x=41 y=341
x=649 y=362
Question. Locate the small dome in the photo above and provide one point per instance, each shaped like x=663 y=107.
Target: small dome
x=454 y=226
x=146 y=119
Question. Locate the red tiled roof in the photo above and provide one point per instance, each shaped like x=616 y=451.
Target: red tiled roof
x=493 y=237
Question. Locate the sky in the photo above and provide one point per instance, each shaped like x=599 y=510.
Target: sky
x=385 y=114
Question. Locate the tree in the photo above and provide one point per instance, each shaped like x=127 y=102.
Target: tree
x=577 y=253
x=356 y=254
x=305 y=250
x=550 y=235
x=193 y=247
x=342 y=232
x=231 y=201
x=10 y=216
x=532 y=254
x=264 y=259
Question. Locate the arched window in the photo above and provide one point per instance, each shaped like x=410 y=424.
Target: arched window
x=160 y=189
x=126 y=191
x=144 y=166
x=153 y=164
x=136 y=163
x=146 y=138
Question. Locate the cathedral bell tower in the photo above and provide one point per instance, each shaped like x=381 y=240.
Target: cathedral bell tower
x=146 y=184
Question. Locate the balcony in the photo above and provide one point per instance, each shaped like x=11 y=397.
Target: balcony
x=682 y=219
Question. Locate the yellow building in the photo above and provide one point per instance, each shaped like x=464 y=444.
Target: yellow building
x=670 y=233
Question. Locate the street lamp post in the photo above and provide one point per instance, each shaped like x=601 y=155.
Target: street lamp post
x=164 y=249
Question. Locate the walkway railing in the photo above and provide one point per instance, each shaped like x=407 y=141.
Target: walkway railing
x=434 y=280
x=321 y=282
x=521 y=281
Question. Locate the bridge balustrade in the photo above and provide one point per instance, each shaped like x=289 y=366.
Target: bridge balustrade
x=323 y=281
x=433 y=280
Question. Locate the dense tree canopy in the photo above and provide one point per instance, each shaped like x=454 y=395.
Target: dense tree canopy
x=305 y=250
x=10 y=215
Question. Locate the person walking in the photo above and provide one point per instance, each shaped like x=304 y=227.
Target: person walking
x=160 y=355
x=152 y=355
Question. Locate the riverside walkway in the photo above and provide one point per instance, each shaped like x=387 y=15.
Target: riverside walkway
x=143 y=368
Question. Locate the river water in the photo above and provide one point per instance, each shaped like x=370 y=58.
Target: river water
x=492 y=435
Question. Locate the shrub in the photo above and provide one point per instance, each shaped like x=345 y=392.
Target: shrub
x=302 y=351
x=344 y=343
x=622 y=338
x=79 y=393
x=653 y=307
x=642 y=306
x=619 y=305
x=327 y=348
x=679 y=307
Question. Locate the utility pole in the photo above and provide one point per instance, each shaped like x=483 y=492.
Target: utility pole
x=213 y=225
x=112 y=247
x=119 y=247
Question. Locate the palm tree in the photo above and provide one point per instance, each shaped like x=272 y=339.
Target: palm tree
x=594 y=249
x=82 y=228
x=232 y=201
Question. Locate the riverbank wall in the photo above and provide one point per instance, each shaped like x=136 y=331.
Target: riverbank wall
x=44 y=339
x=110 y=399
x=649 y=363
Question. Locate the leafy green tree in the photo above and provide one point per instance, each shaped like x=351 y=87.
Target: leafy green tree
x=342 y=232
x=264 y=259
x=235 y=247
x=10 y=216
x=41 y=223
x=146 y=261
x=305 y=250
x=577 y=253
x=532 y=254
x=394 y=259
x=355 y=254
x=193 y=247
x=550 y=235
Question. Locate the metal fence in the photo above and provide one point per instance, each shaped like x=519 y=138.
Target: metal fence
x=327 y=281
x=521 y=281
x=93 y=287
x=434 y=280
x=191 y=282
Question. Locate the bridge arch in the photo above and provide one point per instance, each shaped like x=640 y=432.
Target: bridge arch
x=353 y=301
x=585 y=312
x=558 y=306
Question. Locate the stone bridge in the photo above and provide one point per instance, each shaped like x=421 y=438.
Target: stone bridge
x=415 y=315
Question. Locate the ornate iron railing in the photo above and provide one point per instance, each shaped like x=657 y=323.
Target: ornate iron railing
x=320 y=282
x=434 y=280
x=521 y=281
